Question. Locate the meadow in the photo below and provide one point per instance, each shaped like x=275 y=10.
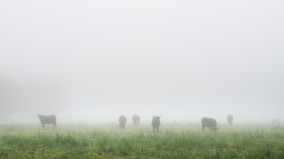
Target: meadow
x=174 y=141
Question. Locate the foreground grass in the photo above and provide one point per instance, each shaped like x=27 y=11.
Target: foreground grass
x=107 y=141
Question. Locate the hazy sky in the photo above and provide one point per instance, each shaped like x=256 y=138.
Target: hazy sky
x=183 y=60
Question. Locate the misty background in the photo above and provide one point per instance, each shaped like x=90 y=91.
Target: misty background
x=92 y=61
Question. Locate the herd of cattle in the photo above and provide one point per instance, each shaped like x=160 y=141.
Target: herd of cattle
x=205 y=122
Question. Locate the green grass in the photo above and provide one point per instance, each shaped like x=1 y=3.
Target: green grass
x=108 y=141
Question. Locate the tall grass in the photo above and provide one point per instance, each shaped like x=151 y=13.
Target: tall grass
x=108 y=141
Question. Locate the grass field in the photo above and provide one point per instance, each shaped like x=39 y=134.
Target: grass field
x=178 y=140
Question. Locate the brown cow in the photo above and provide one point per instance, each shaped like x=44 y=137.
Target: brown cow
x=51 y=119
x=156 y=123
x=209 y=122
x=230 y=119
x=122 y=121
x=136 y=120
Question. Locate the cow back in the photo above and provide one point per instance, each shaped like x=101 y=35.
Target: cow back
x=209 y=122
x=51 y=119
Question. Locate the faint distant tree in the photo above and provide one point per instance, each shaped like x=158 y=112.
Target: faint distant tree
x=29 y=97
x=10 y=94
x=42 y=97
x=275 y=122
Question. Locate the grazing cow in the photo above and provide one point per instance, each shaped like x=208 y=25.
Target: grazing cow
x=122 y=121
x=51 y=119
x=209 y=122
x=230 y=119
x=156 y=123
x=136 y=119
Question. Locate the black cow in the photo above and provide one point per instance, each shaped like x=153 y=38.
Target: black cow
x=156 y=123
x=209 y=122
x=230 y=119
x=122 y=121
x=136 y=119
x=51 y=119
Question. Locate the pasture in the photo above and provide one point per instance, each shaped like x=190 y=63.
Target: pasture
x=175 y=140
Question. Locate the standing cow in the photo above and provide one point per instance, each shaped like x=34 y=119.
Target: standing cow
x=209 y=122
x=122 y=121
x=136 y=120
x=230 y=119
x=156 y=123
x=51 y=119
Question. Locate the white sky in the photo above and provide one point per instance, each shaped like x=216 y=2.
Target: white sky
x=179 y=59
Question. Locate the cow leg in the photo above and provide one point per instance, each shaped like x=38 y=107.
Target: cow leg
x=203 y=127
x=157 y=129
x=42 y=125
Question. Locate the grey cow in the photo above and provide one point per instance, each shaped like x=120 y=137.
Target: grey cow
x=230 y=119
x=51 y=119
x=136 y=120
x=122 y=121
x=156 y=123
x=209 y=122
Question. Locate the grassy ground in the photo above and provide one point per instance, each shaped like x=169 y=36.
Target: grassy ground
x=108 y=141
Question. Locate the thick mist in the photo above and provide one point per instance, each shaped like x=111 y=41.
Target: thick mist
x=92 y=61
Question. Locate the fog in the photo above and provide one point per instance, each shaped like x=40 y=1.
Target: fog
x=92 y=61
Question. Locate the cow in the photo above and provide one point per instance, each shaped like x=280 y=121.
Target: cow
x=122 y=121
x=136 y=120
x=156 y=123
x=51 y=119
x=209 y=122
x=230 y=119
